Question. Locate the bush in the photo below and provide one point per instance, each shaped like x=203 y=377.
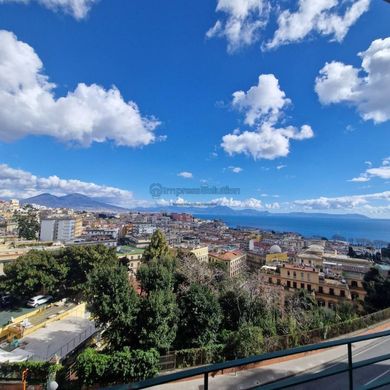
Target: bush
x=38 y=372
x=247 y=341
x=120 y=367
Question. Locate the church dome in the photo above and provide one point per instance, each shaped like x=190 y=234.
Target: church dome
x=275 y=249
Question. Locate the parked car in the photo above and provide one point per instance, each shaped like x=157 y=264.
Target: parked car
x=39 y=300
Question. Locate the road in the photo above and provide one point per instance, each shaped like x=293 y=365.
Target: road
x=325 y=360
x=362 y=376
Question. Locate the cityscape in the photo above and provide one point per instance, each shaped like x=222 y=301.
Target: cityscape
x=194 y=194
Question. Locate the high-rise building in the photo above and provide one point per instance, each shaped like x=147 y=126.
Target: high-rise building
x=60 y=229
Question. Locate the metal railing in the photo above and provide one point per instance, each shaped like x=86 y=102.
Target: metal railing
x=205 y=371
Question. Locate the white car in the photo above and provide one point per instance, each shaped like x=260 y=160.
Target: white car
x=39 y=300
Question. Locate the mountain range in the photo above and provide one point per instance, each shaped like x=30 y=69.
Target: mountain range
x=82 y=202
x=72 y=201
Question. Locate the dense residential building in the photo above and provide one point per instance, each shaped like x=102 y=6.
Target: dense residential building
x=133 y=257
x=235 y=261
x=201 y=253
x=60 y=229
x=331 y=277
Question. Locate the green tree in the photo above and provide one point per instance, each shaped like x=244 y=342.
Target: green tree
x=28 y=225
x=378 y=291
x=234 y=305
x=245 y=342
x=158 y=247
x=36 y=272
x=156 y=275
x=200 y=317
x=114 y=304
x=81 y=260
x=157 y=320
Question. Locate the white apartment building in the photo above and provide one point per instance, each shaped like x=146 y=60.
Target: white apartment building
x=60 y=229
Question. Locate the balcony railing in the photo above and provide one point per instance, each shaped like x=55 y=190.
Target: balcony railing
x=205 y=371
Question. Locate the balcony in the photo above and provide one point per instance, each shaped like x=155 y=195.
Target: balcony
x=343 y=371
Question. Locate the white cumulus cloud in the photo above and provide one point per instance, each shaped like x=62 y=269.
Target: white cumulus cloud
x=367 y=88
x=263 y=101
x=77 y=8
x=382 y=172
x=235 y=169
x=17 y=183
x=331 y=18
x=88 y=114
x=343 y=202
x=263 y=106
x=185 y=175
x=242 y=22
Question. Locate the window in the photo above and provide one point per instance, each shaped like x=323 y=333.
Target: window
x=354 y=283
x=278 y=282
x=295 y=274
x=288 y=273
x=309 y=287
x=288 y=283
x=295 y=284
x=302 y=285
x=269 y=280
x=320 y=290
x=302 y=275
x=308 y=277
x=331 y=291
x=342 y=293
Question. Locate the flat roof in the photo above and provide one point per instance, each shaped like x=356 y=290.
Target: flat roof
x=299 y=267
x=130 y=250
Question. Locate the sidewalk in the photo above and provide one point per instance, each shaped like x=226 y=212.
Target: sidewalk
x=293 y=365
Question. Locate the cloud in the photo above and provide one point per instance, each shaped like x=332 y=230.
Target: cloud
x=382 y=172
x=360 y=179
x=262 y=102
x=17 y=183
x=281 y=166
x=185 y=175
x=235 y=169
x=263 y=106
x=77 y=8
x=367 y=88
x=88 y=114
x=242 y=22
x=331 y=18
x=342 y=202
x=252 y=203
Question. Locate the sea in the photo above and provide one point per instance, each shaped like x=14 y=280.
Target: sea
x=350 y=228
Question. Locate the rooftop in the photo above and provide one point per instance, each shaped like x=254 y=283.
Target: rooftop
x=129 y=250
x=298 y=267
x=227 y=256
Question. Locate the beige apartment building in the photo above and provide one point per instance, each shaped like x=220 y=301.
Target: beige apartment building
x=235 y=261
x=201 y=253
x=328 y=291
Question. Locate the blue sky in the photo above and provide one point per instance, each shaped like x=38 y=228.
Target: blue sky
x=107 y=97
